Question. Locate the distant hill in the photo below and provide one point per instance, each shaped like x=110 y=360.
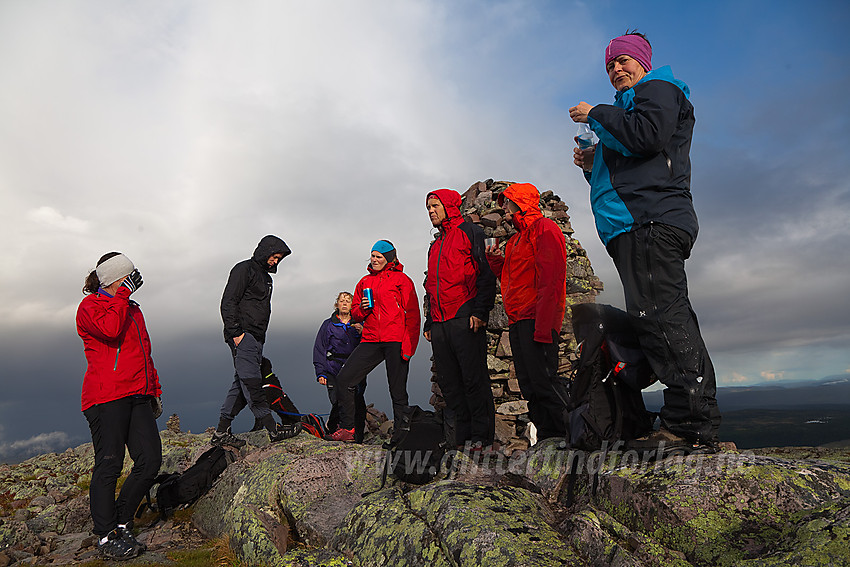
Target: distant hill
x=781 y=415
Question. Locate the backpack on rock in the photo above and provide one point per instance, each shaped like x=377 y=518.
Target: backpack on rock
x=179 y=489
x=416 y=449
x=606 y=404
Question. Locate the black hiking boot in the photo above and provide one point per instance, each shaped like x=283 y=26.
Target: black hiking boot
x=221 y=438
x=114 y=548
x=665 y=443
x=126 y=532
x=284 y=432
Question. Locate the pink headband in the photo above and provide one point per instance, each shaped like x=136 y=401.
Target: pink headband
x=632 y=45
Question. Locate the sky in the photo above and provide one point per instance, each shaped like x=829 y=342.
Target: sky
x=181 y=132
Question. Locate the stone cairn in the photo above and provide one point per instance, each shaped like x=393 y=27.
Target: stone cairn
x=479 y=206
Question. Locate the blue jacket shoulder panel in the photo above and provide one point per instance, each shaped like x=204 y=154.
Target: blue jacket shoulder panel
x=642 y=169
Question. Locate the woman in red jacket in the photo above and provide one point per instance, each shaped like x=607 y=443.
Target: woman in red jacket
x=390 y=335
x=120 y=399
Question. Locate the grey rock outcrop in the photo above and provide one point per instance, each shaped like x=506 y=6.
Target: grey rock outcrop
x=300 y=502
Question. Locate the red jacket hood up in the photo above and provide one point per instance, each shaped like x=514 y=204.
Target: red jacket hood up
x=527 y=198
x=450 y=199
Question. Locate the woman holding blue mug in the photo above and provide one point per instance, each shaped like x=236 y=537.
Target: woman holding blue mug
x=390 y=335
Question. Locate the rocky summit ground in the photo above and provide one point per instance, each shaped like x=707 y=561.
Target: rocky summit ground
x=300 y=502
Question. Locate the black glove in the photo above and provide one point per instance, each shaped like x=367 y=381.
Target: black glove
x=133 y=281
x=156 y=406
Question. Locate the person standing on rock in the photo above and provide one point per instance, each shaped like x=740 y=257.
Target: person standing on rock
x=460 y=290
x=335 y=341
x=640 y=177
x=120 y=400
x=246 y=307
x=533 y=276
x=385 y=302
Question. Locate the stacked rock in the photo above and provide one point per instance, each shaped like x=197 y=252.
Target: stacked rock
x=480 y=206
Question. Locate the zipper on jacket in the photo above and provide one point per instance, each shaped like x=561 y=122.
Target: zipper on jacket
x=144 y=354
x=117 y=352
x=439 y=258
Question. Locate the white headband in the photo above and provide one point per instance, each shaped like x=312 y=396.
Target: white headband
x=112 y=270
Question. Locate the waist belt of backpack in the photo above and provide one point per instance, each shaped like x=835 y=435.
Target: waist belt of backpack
x=388 y=447
x=335 y=356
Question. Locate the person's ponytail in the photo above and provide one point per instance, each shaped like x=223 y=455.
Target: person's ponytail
x=92 y=283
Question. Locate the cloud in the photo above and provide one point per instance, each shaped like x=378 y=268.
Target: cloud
x=54 y=441
x=182 y=132
x=51 y=218
x=770 y=376
x=735 y=378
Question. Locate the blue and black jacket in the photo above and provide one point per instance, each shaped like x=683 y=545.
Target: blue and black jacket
x=334 y=342
x=642 y=169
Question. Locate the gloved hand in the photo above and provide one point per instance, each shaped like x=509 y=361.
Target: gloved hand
x=133 y=281
x=156 y=406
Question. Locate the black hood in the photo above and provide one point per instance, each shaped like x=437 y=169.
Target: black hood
x=270 y=245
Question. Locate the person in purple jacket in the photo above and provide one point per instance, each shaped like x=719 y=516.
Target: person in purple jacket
x=335 y=340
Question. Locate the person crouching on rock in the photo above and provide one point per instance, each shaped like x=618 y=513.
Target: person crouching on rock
x=335 y=341
x=385 y=301
x=120 y=399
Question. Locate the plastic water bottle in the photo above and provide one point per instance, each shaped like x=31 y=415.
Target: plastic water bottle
x=586 y=137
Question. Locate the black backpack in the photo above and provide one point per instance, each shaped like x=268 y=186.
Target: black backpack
x=606 y=403
x=278 y=400
x=314 y=425
x=416 y=449
x=176 y=490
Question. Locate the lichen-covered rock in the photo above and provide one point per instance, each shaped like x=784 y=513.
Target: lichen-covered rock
x=299 y=489
x=608 y=543
x=449 y=523
x=812 y=537
x=299 y=502
x=718 y=509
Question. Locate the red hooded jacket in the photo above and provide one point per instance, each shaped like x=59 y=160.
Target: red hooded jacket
x=460 y=282
x=533 y=271
x=117 y=349
x=395 y=315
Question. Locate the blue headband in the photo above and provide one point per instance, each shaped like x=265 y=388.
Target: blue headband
x=383 y=246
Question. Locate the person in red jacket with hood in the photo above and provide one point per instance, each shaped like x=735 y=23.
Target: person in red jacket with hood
x=120 y=399
x=533 y=275
x=390 y=335
x=460 y=290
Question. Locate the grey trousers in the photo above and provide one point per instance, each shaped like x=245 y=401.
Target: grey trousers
x=247 y=386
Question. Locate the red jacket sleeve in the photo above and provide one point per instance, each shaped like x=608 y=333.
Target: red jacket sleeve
x=410 y=339
x=550 y=258
x=496 y=264
x=107 y=324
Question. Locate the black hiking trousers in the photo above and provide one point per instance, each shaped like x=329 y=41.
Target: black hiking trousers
x=536 y=366
x=460 y=356
x=359 y=407
x=126 y=422
x=651 y=264
x=362 y=360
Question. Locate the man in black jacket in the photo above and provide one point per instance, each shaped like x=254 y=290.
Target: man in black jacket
x=246 y=306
